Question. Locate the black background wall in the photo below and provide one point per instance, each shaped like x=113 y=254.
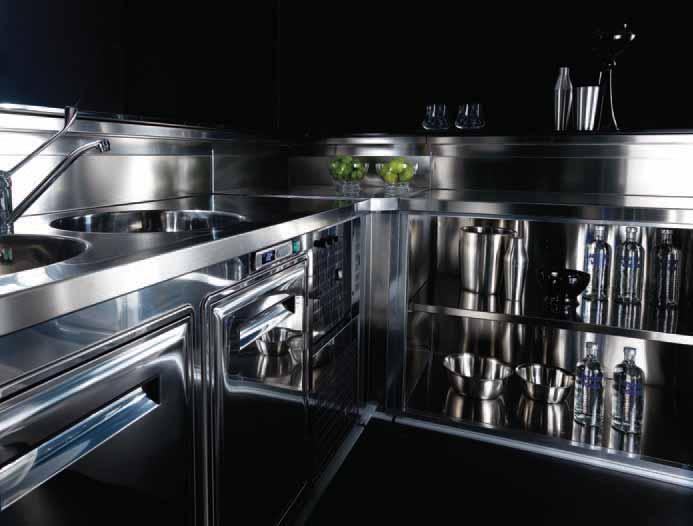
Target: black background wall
x=202 y=63
x=318 y=68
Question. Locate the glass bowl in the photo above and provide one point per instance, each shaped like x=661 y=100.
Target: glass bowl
x=348 y=172
x=397 y=174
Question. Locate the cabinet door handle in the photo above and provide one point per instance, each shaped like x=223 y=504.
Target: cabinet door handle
x=24 y=474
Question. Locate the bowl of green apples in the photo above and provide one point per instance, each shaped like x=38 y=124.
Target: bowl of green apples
x=397 y=174
x=348 y=172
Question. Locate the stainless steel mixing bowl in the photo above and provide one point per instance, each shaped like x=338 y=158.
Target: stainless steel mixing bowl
x=476 y=376
x=545 y=384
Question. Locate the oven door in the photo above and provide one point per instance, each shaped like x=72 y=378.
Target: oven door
x=259 y=333
x=106 y=443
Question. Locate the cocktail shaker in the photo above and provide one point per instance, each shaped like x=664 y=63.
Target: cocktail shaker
x=562 y=100
x=481 y=256
x=587 y=104
x=473 y=241
x=515 y=268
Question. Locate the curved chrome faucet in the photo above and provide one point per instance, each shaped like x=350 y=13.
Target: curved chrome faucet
x=8 y=215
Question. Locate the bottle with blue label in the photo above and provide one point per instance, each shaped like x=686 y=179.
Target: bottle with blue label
x=630 y=261
x=589 y=388
x=598 y=265
x=668 y=266
x=627 y=394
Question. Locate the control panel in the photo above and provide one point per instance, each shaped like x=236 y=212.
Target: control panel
x=267 y=256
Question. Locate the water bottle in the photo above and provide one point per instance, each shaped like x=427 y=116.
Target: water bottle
x=630 y=257
x=627 y=394
x=667 y=270
x=597 y=264
x=589 y=388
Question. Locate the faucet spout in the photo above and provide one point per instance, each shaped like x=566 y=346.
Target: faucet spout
x=100 y=146
x=6 y=214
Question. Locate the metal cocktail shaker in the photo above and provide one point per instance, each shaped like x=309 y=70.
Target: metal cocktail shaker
x=562 y=100
x=473 y=241
x=515 y=269
x=481 y=255
x=587 y=104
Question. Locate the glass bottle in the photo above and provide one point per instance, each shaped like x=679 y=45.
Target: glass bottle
x=630 y=258
x=627 y=394
x=589 y=388
x=667 y=270
x=597 y=264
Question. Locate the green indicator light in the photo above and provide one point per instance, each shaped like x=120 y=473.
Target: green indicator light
x=296 y=246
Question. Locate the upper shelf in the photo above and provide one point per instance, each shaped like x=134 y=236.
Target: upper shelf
x=571 y=207
x=443 y=294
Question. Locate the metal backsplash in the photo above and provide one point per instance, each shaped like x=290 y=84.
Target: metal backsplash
x=147 y=162
x=591 y=164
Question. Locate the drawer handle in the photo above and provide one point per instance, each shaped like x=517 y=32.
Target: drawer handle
x=26 y=473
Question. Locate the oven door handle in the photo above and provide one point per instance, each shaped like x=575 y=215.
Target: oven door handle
x=22 y=475
x=263 y=323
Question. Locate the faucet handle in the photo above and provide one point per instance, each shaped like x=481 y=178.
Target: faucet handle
x=70 y=116
x=104 y=145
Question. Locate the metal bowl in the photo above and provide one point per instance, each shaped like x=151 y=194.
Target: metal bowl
x=545 y=384
x=476 y=376
x=275 y=342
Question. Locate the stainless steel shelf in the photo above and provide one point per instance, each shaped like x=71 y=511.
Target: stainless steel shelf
x=555 y=206
x=443 y=294
x=665 y=440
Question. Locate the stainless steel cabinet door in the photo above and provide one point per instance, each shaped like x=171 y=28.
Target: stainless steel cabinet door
x=260 y=451
x=109 y=442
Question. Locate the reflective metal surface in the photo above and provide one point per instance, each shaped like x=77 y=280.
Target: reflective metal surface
x=257 y=401
x=30 y=251
x=148 y=221
x=99 y=146
x=277 y=342
x=88 y=432
x=36 y=467
x=475 y=376
x=491 y=412
x=545 y=384
x=120 y=263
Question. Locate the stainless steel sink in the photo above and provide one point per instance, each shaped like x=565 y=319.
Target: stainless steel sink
x=147 y=221
x=24 y=252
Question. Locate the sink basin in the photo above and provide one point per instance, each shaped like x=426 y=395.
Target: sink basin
x=29 y=252
x=147 y=221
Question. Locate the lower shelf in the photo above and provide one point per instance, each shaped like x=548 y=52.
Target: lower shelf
x=667 y=436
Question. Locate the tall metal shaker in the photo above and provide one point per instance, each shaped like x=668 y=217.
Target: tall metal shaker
x=562 y=100
x=515 y=268
x=481 y=256
x=473 y=249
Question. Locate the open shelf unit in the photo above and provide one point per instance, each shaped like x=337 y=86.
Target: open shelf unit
x=445 y=319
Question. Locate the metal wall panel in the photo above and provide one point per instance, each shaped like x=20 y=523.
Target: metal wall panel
x=106 y=180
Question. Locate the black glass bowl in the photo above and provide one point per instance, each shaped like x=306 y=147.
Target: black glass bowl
x=563 y=285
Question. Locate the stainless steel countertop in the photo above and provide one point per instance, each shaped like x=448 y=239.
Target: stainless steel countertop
x=116 y=264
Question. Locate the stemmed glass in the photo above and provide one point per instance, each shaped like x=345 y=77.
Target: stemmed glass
x=470 y=117
x=436 y=118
